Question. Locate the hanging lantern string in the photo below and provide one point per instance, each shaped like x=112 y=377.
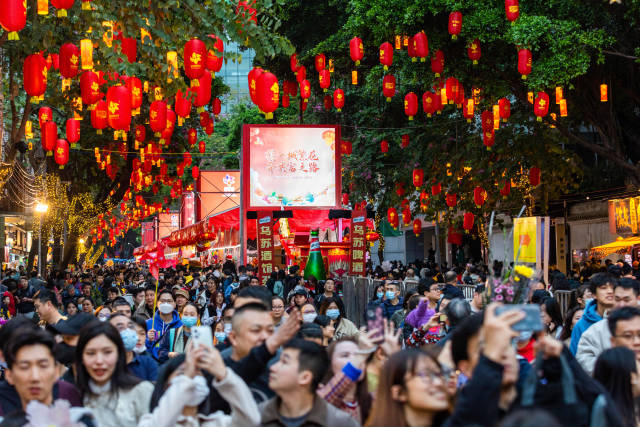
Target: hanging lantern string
x=153 y=154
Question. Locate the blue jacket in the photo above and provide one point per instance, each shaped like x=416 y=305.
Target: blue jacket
x=388 y=309
x=589 y=317
x=161 y=328
x=144 y=367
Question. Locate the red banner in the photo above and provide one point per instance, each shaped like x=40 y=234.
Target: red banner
x=265 y=246
x=358 y=243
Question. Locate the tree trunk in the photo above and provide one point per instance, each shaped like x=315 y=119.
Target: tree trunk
x=69 y=250
x=32 y=253
x=57 y=249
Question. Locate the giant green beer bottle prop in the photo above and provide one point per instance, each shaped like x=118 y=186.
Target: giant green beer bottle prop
x=315 y=264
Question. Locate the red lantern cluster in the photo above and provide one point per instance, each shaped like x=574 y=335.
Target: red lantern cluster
x=392 y=217
x=420 y=45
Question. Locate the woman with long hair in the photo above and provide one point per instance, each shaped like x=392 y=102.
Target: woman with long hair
x=116 y=397
x=551 y=316
x=182 y=395
x=570 y=321
x=411 y=392
x=344 y=327
x=616 y=370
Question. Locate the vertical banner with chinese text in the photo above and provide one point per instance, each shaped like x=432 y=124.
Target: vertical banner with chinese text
x=265 y=246
x=358 y=243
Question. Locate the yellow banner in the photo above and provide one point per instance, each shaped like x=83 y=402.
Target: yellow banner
x=524 y=239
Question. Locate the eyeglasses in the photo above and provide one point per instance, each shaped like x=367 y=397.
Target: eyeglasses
x=629 y=336
x=431 y=376
x=277 y=307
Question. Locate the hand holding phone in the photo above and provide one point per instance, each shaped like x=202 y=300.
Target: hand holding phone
x=201 y=335
x=375 y=322
x=532 y=321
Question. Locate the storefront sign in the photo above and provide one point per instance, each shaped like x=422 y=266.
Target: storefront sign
x=358 y=243
x=265 y=246
x=624 y=216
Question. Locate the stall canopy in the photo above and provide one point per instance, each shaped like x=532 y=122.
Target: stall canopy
x=620 y=245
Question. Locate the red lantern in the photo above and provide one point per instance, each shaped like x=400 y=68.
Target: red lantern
x=129 y=46
x=356 y=50
x=451 y=200
x=202 y=147
x=99 y=114
x=215 y=57
x=479 y=196
x=411 y=105
x=421 y=46
x=429 y=103
x=327 y=102
x=202 y=90
x=285 y=100
x=437 y=63
x=305 y=90
x=506 y=189
x=467 y=221
x=392 y=216
x=468 y=108
x=195 y=172
x=69 y=60
x=525 y=61
x=512 y=9
x=217 y=106
x=346 y=148
x=253 y=76
x=534 y=176
x=13 y=17
x=384 y=147
x=182 y=105
x=338 y=99
x=504 y=105
x=418 y=178
x=73 y=131
x=195 y=53
x=293 y=63
x=541 y=105
x=158 y=116
x=35 y=75
x=487 y=120
x=455 y=24
x=474 y=51
x=488 y=138
x=320 y=62
x=301 y=74
x=389 y=86
x=424 y=200
x=49 y=135
x=325 y=79
x=141 y=135
x=452 y=88
x=61 y=155
x=135 y=88
x=90 y=88
x=44 y=115
x=411 y=50
x=436 y=189
x=406 y=215
x=400 y=189
x=192 y=136
x=268 y=94
x=386 y=55
x=62 y=6
x=405 y=141
x=119 y=107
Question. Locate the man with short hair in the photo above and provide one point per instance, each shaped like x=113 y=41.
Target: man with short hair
x=392 y=300
x=597 y=338
x=140 y=365
x=253 y=294
x=46 y=305
x=254 y=281
x=145 y=310
x=601 y=286
x=329 y=292
x=624 y=326
x=295 y=379
x=24 y=298
x=121 y=306
x=431 y=290
x=165 y=318
x=477 y=303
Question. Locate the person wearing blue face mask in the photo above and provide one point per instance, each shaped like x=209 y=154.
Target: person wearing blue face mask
x=376 y=300
x=343 y=326
x=175 y=341
x=392 y=302
x=140 y=365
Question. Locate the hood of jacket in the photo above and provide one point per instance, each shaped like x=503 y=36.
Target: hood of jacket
x=590 y=312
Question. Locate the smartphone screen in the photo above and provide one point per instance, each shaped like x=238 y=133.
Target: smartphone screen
x=532 y=321
x=375 y=322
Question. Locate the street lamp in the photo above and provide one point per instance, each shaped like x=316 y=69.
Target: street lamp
x=81 y=241
x=40 y=208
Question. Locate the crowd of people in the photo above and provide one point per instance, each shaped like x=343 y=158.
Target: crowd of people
x=113 y=346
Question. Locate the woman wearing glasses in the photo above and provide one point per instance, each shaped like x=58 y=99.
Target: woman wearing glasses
x=277 y=310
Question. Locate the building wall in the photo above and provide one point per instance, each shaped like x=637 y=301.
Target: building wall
x=235 y=75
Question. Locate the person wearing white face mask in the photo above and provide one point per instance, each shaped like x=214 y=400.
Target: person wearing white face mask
x=165 y=318
x=308 y=313
x=176 y=340
x=142 y=366
x=181 y=395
